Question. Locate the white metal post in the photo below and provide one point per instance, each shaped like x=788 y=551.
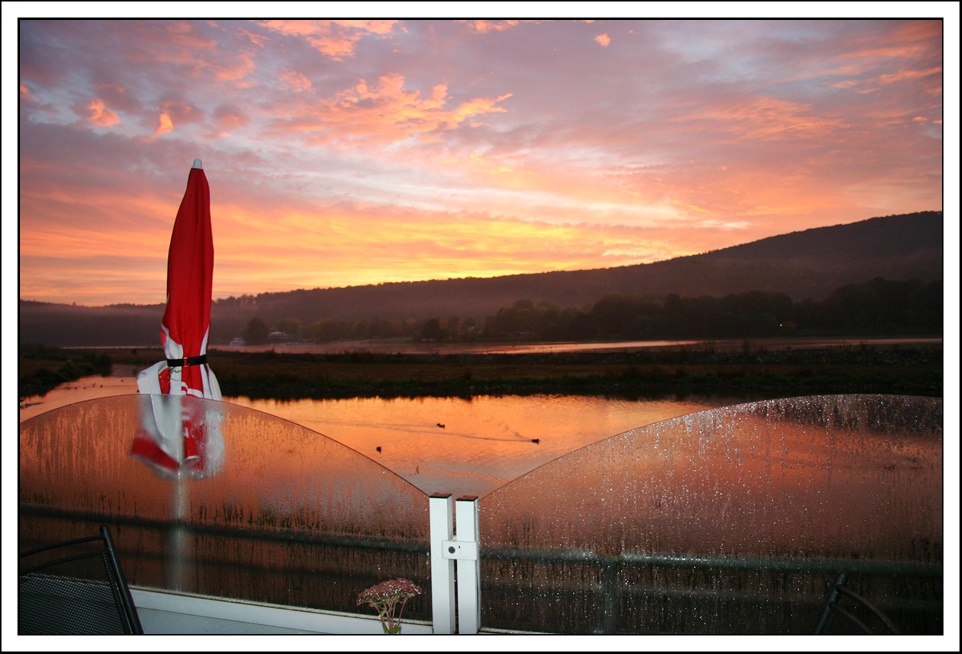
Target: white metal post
x=469 y=565
x=442 y=568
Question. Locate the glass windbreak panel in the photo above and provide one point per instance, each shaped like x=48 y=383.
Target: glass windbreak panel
x=734 y=520
x=262 y=509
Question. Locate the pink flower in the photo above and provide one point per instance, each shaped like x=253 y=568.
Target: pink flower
x=386 y=598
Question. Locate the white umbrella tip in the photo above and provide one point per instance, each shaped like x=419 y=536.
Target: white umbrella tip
x=197 y=164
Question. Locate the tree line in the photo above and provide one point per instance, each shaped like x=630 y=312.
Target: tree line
x=876 y=307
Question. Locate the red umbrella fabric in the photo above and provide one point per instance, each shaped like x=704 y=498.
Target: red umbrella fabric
x=175 y=438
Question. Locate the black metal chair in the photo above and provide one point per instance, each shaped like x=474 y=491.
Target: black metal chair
x=859 y=611
x=75 y=587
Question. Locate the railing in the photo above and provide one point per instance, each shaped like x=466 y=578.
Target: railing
x=732 y=520
x=629 y=593
x=671 y=594
x=285 y=568
x=289 y=518
x=712 y=523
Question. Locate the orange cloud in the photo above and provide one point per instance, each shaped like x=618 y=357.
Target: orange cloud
x=903 y=75
x=603 y=40
x=237 y=70
x=173 y=113
x=768 y=119
x=180 y=44
x=333 y=38
x=910 y=40
x=485 y=26
x=296 y=81
x=100 y=115
x=177 y=43
x=385 y=113
x=164 y=124
x=910 y=48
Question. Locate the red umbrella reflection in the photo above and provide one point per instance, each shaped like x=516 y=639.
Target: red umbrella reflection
x=177 y=436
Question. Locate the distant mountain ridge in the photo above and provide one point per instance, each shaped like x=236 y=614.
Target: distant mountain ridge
x=805 y=264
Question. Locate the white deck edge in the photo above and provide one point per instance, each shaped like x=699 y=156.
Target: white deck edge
x=166 y=612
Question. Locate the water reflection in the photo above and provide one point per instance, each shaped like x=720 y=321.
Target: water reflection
x=484 y=443
x=471 y=447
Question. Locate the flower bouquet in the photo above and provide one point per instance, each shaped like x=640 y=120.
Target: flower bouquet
x=388 y=599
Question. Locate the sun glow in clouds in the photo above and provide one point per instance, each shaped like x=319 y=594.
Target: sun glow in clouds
x=348 y=152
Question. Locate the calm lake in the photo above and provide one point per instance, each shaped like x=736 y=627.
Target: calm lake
x=454 y=445
x=463 y=446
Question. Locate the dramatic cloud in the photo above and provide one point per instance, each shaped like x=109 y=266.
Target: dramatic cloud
x=346 y=152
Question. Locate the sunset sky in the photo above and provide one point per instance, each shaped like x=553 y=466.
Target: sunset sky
x=362 y=151
x=343 y=153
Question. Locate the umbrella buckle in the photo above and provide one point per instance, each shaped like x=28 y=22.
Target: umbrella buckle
x=187 y=361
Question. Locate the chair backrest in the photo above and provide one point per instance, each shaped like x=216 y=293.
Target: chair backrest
x=75 y=587
x=856 y=609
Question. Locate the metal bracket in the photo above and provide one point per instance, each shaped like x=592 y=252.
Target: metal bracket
x=459 y=550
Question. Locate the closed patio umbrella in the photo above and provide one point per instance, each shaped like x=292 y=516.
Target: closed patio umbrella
x=176 y=437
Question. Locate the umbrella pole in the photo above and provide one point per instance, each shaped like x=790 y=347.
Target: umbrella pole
x=177 y=544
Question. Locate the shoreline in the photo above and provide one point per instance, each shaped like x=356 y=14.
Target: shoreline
x=752 y=369
x=544 y=347
x=753 y=373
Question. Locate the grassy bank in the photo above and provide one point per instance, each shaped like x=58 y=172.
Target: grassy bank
x=41 y=368
x=909 y=370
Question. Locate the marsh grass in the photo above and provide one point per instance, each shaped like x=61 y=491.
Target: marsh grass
x=745 y=374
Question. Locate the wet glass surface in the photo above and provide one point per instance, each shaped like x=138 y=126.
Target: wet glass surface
x=281 y=514
x=729 y=520
x=742 y=514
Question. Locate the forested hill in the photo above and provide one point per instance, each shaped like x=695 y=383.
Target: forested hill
x=806 y=264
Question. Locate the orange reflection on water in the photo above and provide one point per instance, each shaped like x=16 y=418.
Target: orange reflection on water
x=471 y=446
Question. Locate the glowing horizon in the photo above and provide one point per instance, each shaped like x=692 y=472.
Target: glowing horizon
x=347 y=153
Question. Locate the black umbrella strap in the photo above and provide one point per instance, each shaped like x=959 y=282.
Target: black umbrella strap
x=187 y=361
